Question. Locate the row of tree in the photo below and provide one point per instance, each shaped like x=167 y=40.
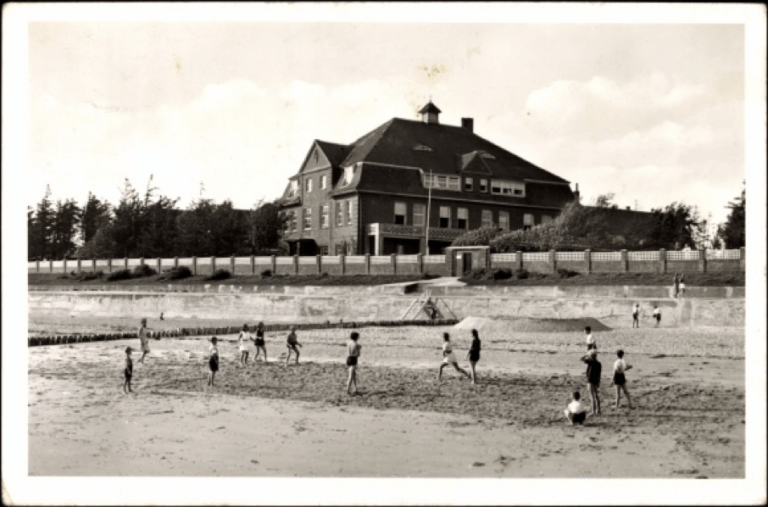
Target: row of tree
x=150 y=225
x=603 y=226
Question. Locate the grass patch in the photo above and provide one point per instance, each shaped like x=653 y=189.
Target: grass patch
x=567 y=277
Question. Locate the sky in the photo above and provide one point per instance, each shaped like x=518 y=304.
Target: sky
x=228 y=110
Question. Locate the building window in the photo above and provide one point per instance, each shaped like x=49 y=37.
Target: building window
x=307 y=219
x=442 y=182
x=487 y=155
x=504 y=220
x=339 y=213
x=350 y=248
x=545 y=219
x=483 y=185
x=468 y=184
x=500 y=187
x=288 y=222
x=349 y=173
x=527 y=221
x=317 y=156
x=422 y=147
x=486 y=218
x=294 y=188
x=349 y=211
x=323 y=181
x=294 y=220
x=418 y=214
x=445 y=217
x=462 y=218
x=324 y=216
x=308 y=185
x=323 y=249
x=400 y=210
x=339 y=249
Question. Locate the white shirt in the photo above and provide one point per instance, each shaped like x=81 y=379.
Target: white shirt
x=656 y=311
x=636 y=308
x=214 y=350
x=590 y=340
x=619 y=366
x=576 y=407
x=448 y=353
x=243 y=340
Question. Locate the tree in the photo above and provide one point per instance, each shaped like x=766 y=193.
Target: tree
x=606 y=201
x=230 y=236
x=96 y=214
x=41 y=223
x=733 y=232
x=65 y=225
x=127 y=221
x=195 y=227
x=265 y=226
x=158 y=232
x=673 y=227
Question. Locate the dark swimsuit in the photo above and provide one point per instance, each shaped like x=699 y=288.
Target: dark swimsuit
x=259 y=338
x=213 y=362
x=619 y=379
x=351 y=361
x=474 y=352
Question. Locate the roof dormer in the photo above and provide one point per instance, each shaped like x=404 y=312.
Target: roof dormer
x=429 y=113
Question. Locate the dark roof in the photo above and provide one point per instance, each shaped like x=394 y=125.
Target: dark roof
x=429 y=108
x=334 y=152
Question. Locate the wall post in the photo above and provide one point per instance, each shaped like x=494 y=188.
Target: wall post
x=109 y=265
x=588 y=260
x=519 y=259
x=213 y=265
x=552 y=261
x=367 y=264
x=663 y=260
x=274 y=264
x=624 y=261
x=319 y=261
x=50 y=266
x=65 y=266
x=125 y=262
x=253 y=264
x=343 y=264
x=420 y=262
x=194 y=265
x=232 y=264
x=742 y=258
x=703 y=260
x=295 y=264
x=79 y=264
x=159 y=265
x=93 y=265
x=37 y=265
x=393 y=257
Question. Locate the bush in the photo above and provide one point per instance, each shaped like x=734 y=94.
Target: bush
x=266 y=273
x=482 y=236
x=566 y=273
x=143 y=270
x=90 y=275
x=123 y=274
x=177 y=273
x=521 y=273
x=220 y=274
x=482 y=274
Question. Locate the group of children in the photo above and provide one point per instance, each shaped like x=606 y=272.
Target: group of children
x=636 y=315
x=576 y=411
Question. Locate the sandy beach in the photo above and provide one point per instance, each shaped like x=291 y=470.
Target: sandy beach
x=269 y=420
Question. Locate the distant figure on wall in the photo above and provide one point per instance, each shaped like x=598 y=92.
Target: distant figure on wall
x=676 y=283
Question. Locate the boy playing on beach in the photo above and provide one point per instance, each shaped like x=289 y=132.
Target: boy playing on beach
x=128 y=371
x=636 y=316
x=591 y=344
x=594 y=368
x=657 y=315
x=242 y=341
x=449 y=358
x=353 y=352
x=619 y=380
x=292 y=342
x=576 y=412
x=213 y=361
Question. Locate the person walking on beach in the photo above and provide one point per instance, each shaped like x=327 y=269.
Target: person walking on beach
x=353 y=353
x=619 y=380
x=682 y=286
x=259 y=341
x=591 y=343
x=242 y=341
x=144 y=339
x=594 y=369
x=474 y=355
x=128 y=371
x=576 y=411
x=636 y=316
x=213 y=361
x=657 y=315
x=449 y=358
x=676 y=283
x=292 y=342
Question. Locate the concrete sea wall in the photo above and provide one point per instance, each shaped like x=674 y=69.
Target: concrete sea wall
x=611 y=305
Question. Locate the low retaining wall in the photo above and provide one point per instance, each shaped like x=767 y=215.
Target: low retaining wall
x=322 y=305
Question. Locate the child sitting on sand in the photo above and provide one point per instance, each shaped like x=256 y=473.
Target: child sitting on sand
x=591 y=343
x=292 y=342
x=128 y=371
x=594 y=369
x=576 y=412
x=449 y=358
x=213 y=361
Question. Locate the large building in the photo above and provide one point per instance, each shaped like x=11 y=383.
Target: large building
x=378 y=194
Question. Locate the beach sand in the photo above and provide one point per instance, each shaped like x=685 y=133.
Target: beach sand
x=269 y=420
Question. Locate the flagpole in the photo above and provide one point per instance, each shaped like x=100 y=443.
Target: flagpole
x=429 y=205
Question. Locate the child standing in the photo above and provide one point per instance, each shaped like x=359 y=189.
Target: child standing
x=474 y=354
x=292 y=342
x=353 y=353
x=594 y=369
x=657 y=315
x=213 y=361
x=682 y=286
x=260 y=342
x=449 y=358
x=591 y=343
x=144 y=339
x=619 y=380
x=242 y=341
x=576 y=412
x=676 y=283
x=128 y=371
x=636 y=316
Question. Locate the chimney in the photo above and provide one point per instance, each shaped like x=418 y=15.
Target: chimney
x=629 y=208
x=576 y=194
x=468 y=123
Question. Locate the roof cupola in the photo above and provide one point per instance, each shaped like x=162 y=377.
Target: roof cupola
x=429 y=113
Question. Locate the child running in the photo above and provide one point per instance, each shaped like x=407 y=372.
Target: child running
x=128 y=371
x=353 y=352
x=449 y=358
x=474 y=354
x=213 y=361
x=619 y=380
x=259 y=341
x=292 y=342
x=636 y=316
x=591 y=343
x=144 y=339
x=657 y=315
x=242 y=341
x=594 y=368
x=576 y=412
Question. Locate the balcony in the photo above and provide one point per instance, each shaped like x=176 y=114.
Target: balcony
x=413 y=231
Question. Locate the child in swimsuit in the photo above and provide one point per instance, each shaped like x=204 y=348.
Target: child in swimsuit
x=260 y=346
x=636 y=316
x=619 y=380
x=474 y=354
x=242 y=342
x=353 y=353
x=576 y=411
x=657 y=315
x=594 y=369
x=591 y=343
x=213 y=361
x=292 y=342
x=128 y=371
x=449 y=358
